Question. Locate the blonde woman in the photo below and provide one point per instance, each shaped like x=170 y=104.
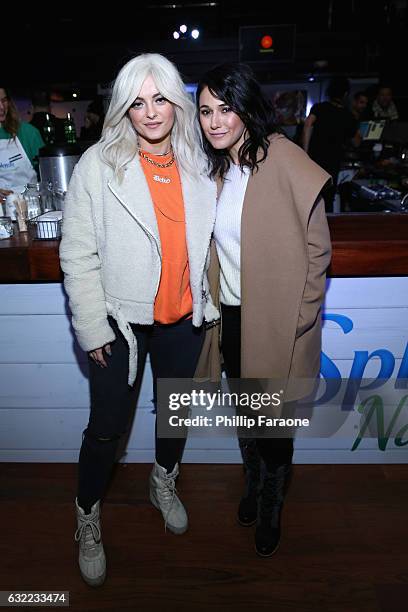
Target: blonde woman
x=138 y=219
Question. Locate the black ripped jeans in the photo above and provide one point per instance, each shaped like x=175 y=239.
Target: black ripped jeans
x=274 y=451
x=174 y=351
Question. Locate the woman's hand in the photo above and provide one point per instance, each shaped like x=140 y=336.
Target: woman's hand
x=98 y=356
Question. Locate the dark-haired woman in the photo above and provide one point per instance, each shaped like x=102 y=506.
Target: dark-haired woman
x=273 y=248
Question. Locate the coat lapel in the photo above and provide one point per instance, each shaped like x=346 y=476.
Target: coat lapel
x=134 y=194
x=199 y=208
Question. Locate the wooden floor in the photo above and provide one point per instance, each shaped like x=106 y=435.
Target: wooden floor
x=344 y=546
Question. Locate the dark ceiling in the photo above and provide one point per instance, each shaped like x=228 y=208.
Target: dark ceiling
x=67 y=48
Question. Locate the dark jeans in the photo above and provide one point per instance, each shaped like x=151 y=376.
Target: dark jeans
x=274 y=451
x=174 y=351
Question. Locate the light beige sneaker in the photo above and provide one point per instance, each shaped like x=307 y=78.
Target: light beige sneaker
x=163 y=495
x=92 y=560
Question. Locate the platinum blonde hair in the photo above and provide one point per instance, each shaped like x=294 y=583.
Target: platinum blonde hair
x=119 y=138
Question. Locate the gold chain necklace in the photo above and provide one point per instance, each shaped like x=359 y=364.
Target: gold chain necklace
x=163 y=154
x=155 y=163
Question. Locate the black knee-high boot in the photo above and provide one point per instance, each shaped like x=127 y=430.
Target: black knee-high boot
x=268 y=528
x=276 y=456
x=248 y=506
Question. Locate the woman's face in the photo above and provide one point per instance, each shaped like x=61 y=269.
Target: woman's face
x=221 y=126
x=152 y=115
x=3 y=105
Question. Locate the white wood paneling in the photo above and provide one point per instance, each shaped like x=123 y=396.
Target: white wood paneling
x=342 y=346
x=47 y=338
x=41 y=299
x=355 y=293
x=50 y=338
x=371 y=371
x=52 y=385
x=44 y=395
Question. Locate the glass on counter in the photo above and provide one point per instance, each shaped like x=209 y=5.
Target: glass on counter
x=6 y=228
x=32 y=196
x=47 y=196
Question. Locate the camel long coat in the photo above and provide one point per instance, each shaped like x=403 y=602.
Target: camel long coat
x=285 y=251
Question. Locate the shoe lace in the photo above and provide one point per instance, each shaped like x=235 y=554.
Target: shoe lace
x=88 y=532
x=167 y=493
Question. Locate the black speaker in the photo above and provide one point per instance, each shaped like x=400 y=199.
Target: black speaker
x=269 y=43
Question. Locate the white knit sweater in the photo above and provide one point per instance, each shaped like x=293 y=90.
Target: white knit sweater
x=227 y=234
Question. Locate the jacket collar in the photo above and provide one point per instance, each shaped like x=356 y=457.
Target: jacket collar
x=199 y=204
x=134 y=194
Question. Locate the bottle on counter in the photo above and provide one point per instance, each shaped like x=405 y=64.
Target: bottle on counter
x=49 y=130
x=32 y=196
x=69 y=130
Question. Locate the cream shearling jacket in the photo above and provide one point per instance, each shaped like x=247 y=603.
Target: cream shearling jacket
x=110 y=250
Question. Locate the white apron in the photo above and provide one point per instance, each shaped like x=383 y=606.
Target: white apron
x=16 y=169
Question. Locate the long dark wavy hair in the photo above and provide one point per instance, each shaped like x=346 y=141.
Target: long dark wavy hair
x=236 y=85
x=12 y=122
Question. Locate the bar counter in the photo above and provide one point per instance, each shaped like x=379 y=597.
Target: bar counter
x=363 y=245
x=44 y=391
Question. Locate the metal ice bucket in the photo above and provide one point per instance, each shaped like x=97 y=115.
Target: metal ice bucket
x=57 y=163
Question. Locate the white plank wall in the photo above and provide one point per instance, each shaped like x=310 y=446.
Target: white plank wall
x=44 y=388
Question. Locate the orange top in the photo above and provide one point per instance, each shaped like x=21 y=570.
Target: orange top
x=173 y=300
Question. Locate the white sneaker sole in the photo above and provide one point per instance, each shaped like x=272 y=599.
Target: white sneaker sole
x=94 y=582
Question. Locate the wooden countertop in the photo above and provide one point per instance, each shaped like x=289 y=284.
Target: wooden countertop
x=363 y=245
x=23 y=260
x=369 y=244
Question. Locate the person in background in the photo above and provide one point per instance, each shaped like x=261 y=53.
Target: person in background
x=94 y=119
x=20 y=143
x=286 y=107
x=359 y=106
x=268 y=271
x=138 y=218
x=383 y=106
x=42 y=115
x=327 y=129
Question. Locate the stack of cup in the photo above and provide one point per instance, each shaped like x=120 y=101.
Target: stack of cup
x=16 y=209
x=21 y=213
x=11 y=206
